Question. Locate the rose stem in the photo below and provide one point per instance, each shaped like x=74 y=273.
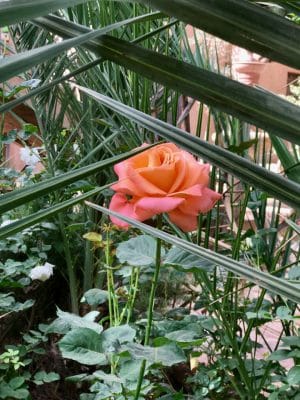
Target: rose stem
x=151 y=306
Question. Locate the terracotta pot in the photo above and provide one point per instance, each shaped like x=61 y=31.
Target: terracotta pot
x=248 y=72
x=246 y=66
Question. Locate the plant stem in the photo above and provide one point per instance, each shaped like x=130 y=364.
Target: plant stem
x=70 y=267
x=109 y=283
x=151 y=306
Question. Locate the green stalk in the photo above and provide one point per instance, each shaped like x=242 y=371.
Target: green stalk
x=151 y=306
x=134 y=282
x=70 y=269
x=88 y=270
x=109 y=284
x=133 y=296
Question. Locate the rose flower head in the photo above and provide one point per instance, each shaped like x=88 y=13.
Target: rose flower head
x=163 y=179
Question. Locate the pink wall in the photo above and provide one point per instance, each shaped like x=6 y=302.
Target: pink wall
x=271 y=76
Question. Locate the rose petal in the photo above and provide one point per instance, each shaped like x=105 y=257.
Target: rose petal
x=158 y=205
x=161 y=176
x=196 y=190
x=189 y=172
x=119 y=203
x=200 y=204
x=208 y=200
x=125 y=184
x=186 y=222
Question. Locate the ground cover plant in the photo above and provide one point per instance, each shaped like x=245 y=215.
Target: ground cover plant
x=129 y=265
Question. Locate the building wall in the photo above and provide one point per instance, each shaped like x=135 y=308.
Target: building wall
x=272 y=76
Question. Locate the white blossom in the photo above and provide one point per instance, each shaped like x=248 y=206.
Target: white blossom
x=7 y=222
x=42 y=272
x=30 y=156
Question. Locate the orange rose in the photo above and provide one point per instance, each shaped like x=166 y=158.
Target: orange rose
x=163 y=179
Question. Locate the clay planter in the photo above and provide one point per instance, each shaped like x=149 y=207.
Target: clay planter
x=246 y=66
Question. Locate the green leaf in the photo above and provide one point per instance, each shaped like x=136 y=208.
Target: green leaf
x=22 y=99
x=241 y=23
x=39 y=216
x=84 y=346
x=79 y=378
x=67 y=321
x=130 y=370
x=261 y=108
x=95 y=296
x=6 y=392
x=186 y=337
x=42 y=377
x=93 y=237
x=166 y=355
x=262 y=279
x=10 y=105
x=261 y=314
x=107 y=377
x=14 y=65
x=242 y=146
x=15 y=383
x=116 y=335
x=288 y=161
x=284 y=313
x=274 y=184
x=293 y=376
x=291 y=341
x=139 y=251
x=293 y=225
x=294 y=272
x=186 y=261
x=279 y=355
x=13 y=11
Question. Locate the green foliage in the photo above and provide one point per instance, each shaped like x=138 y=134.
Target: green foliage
x=211 y=272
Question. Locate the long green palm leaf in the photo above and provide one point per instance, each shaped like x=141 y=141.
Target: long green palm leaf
x=264 y=110
x=13 y=65
x=20 y=196
x=41 y=215
x=240 y=22
x=267 y=281
x=13 y=11
x=274 y=184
